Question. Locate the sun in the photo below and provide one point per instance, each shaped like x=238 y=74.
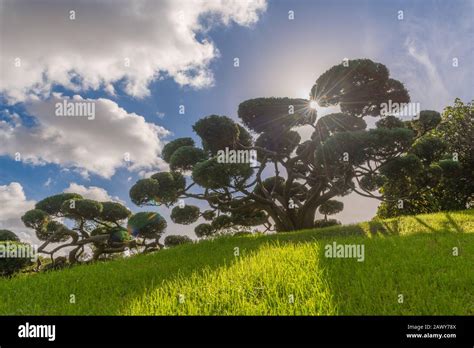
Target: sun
x=313 y=104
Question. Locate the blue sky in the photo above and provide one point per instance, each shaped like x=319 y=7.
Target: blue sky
x=277 y=56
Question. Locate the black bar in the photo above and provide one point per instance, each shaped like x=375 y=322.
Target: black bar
x=344 y=330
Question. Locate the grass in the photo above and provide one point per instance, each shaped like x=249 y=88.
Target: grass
x=283 y=274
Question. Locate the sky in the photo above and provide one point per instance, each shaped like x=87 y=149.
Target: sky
x=140 y=61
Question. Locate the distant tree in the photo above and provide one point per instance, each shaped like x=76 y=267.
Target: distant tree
x=436 y=172
x=67 y=220
x=14 y=255
x=174 y=240
x=7 y=235
x=271 y=177
x=331 y=207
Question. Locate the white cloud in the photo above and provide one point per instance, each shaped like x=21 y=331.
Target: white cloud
x=13 y=204
x=98 y=146
x=92 y=192
x=154 y=38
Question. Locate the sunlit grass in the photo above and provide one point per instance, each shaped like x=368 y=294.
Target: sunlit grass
x=284 y=274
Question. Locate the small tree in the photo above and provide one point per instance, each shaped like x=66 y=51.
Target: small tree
x=331 y=207
x=14 y=255
x=174 y=240
x=67 y=220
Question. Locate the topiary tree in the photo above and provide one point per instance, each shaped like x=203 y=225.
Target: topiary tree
x=436 y=171
x=331 y=207
x=270 y=177
x=67 y=220
x=174 y=240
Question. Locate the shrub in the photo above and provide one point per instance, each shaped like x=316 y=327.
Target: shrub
x=174 y=240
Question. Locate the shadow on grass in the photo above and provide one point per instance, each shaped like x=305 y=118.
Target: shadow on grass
x=408 y=266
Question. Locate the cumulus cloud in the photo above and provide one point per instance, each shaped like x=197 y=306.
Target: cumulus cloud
x=113 y=139
x=92 y=192
x=13 y=204
x=111 y=43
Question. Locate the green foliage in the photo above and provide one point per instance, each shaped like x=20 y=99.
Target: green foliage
x=145 y=191
x=253 y=218
x=35 y=219
x=55 y=231
x=427 y=121
x=213 y=175
x=371 y=182
x=204 y=230
x=390 y=122
x=81 y=209
x=273 y=115
x=284 y=144
x=341 y=157
x=222 y=222
x=185 y=215
x=269 y=268
x=429 y=148
x=114 y=212
x=146 y=224
x=363 y=146
x=186 y=157
x=333 y=123
x=175 y=240
x=172 y=146
x=7 y=235
x=21 y=252
x=52 y=205
x=331 y=207
x=321 y=223
x=360 y=89
x=402 y=167
x=170 y=186
x=441 y=165
x=208 y=215
x=217 y=133
x=119 y=235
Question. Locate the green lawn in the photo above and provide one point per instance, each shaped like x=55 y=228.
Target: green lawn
x=284 y=274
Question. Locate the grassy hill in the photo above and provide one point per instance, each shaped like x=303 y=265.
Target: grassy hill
x=283 y=274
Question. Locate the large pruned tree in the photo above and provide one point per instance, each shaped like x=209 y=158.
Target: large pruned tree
x=289 y=179
x=67 y=220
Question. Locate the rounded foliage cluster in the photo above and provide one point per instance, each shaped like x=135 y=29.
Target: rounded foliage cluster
x=204 y=230
x=185 y=215
x=360 y=88
x=172 y=146
x=273 y=115
x=7 y=235
x=146 y=224
x=213 y=175
x=160 y=188
x=114 y=212
x=185 y=157
x=52 y=205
